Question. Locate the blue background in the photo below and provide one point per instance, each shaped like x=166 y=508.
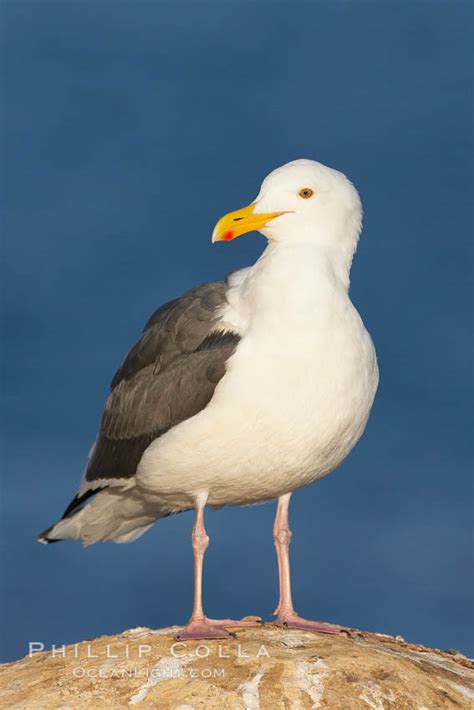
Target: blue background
x=130 y=128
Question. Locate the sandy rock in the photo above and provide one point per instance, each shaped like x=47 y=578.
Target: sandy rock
x=265 y=668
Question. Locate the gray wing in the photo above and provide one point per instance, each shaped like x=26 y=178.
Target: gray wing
x=168 y=376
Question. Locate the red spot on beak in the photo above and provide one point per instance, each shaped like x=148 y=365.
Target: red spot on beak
x=228 y=235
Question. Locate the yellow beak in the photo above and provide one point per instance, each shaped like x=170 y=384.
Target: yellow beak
x=234 y=224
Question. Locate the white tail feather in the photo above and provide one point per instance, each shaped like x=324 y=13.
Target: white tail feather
x=115 y=515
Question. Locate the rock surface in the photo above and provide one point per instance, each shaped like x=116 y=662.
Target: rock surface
x=264 y=668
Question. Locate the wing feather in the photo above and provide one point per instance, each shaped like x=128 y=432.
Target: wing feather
x=168 y=376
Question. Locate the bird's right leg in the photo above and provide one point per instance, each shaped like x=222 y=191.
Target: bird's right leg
x=198 y=626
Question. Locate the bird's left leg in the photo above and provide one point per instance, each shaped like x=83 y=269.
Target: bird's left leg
x=285 y=612
x=199 y=626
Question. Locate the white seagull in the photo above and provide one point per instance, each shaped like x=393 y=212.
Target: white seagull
x=240 y=391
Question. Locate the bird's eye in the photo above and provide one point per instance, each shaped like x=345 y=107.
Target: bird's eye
x=306 y=193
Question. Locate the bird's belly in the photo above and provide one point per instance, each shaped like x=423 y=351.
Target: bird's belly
x=275 y=423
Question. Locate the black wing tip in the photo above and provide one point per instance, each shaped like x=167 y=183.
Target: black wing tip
x=43 y=536
x=78 y=502
x=74 y=507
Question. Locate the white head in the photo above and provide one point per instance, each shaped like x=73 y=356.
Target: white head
x=301 y=202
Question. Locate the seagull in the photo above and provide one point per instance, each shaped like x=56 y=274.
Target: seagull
x=240 y=391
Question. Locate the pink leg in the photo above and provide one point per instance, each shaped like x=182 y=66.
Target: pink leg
x=285 y=612
x=279 y=560
x=199 y=626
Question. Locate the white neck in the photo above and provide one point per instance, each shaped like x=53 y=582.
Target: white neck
x=289 y=265
x=298 y=283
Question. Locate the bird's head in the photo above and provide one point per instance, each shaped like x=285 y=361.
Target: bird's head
x=303 y=201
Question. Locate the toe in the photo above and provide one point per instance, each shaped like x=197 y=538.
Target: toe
x=200 y=630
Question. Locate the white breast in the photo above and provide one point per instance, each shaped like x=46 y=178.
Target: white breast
x=295 y=398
